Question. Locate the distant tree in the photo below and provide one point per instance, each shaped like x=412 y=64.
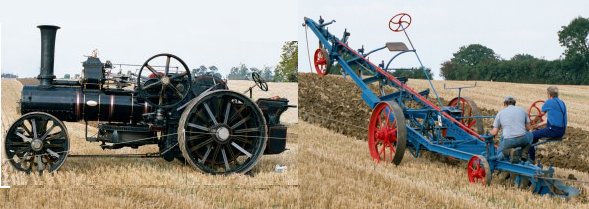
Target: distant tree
x=474 y=54
x=9 y=75
x=574 y=38
x=415 y=73
x=66 y=76
x=200 y=70
x=214 y=71
x=233 y=73
x=267 y=73
x=287 y=69
x=241 y=72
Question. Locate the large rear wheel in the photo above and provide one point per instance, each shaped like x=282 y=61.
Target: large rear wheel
x=222 y=132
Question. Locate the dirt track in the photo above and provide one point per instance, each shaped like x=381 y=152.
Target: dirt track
x=336 y=104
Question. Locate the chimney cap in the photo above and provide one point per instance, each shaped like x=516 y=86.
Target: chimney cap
x=48 y=27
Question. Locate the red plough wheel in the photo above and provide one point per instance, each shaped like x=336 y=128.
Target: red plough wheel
x=387 y=133
x=535 y=113
x=478 y=170
x=321 y=61
x=469 y=109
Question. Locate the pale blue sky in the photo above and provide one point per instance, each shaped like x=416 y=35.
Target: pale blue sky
x=439 y=28
x=222 y=33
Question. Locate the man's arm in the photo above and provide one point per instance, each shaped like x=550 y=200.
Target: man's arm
x=542 y=123
x=494 y=131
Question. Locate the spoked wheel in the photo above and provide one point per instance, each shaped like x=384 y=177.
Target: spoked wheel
x=222 y=132
x=387 y=133
x=535 y=113
x=478 y=170
x=260 y=82
x=469 y=109
x=321 y=61
x=164 y=88
x=37 y=142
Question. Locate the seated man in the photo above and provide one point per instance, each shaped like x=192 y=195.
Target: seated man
x=515 y=125
x=556 y=119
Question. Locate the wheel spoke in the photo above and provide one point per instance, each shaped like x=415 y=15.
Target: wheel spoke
x=24 y=138
x=18 y=144
x=26 y=129
x=245 y=130
x=197 y=137
x=237 y=113
x=204 y=158
x=57 y=135
x=241 y=149
x=216 y=153
x=231 y=152
x=240 y=122
x=202 y=128
x=167 y=69
x=34 y=125
x=151 y=84
x=52 y=153
x=54 y=145
x=208 y=141
x=153 y=71
x=227 y=109
x=241 y=140
x=47 y=132
x=178 y=93
x=225 y=159
x=212 y=117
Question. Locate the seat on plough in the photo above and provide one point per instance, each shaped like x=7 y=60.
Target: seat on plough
x=396 y=46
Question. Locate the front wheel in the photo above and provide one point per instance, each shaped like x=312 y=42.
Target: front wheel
x=387 y=133
x=36 y=142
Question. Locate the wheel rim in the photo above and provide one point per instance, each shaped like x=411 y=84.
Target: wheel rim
x=163 y=89
x=469 y=109
x=387 y=134
x=478 y=170
x=37 y=142
x=320 y=61
x=222 y=132
x=535 y=113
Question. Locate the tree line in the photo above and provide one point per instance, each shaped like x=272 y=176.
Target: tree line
x=478 y=62
x=285 y=71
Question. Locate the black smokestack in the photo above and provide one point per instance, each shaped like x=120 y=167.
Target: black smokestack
x=46 y=75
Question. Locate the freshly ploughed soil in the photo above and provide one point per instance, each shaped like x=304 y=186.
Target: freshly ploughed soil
x=335 y=103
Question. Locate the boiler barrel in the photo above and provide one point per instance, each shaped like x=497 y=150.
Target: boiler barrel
x=69 y=103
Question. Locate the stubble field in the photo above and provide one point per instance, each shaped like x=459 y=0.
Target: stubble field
x=333 y=143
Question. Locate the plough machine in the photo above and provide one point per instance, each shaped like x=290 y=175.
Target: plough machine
x=406 y=119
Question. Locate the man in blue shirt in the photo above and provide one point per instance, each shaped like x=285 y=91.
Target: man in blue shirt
x=556 y=119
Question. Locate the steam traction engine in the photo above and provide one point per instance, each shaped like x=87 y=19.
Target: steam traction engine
x=191 y=118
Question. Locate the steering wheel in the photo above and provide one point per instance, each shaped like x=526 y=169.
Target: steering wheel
x=400 y=22
x=163 y=89
x=260 y=82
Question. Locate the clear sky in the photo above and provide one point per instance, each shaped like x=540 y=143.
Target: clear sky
x=222 y=33
x=439 y=28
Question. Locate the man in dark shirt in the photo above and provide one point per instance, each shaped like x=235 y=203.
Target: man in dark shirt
x=556 y=120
